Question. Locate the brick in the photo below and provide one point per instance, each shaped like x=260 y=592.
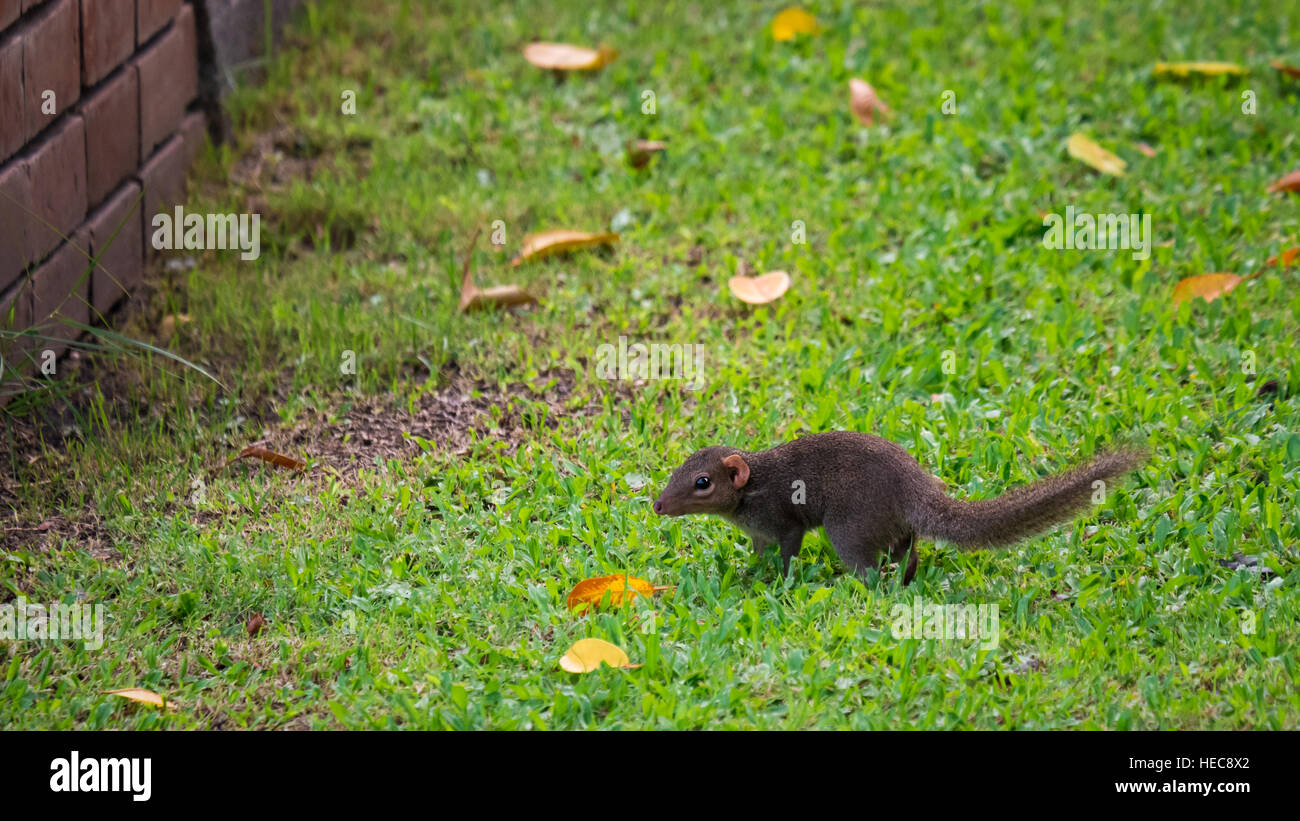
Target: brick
x=151 y=16
x=163 y=180
x=107 y=37
x=169 y=80
x=13 y=126
x=15 y=222
x=51 y=62
x=9 y=11
x=61 y=290
x=121 y=257
x=112 y=116
x=57 y=168
x=194 y=133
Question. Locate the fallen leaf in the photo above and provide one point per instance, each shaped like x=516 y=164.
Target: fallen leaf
x=588 y=654
x=1284 y=68
x=639 y=152
x=278 y=459
x=474 y=298
x=791 y=23
x=256 y=624
x=1145 y=149
x=547 y=243
x=167 y=328
x=1087 y=151
x=565 y=57
x=1288 y=257
x=865 y=103
x=1207 y=286
x=1291 y=183
x=1206 y=69
x=759 y=290
x=621 y=588
x=137 y=694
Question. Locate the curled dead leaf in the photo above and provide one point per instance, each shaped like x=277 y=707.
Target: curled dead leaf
x=587 y=655
x=256 y=624
x=1203 y=68
x=639 y=152
x=1290 y=184
x=138 y=694
x=865 y=104
x=621 y=588
x=1206 y=286
x=1087 y=151
x=1284 y=68
x=277 y=459
x=1146 y=149
x=547 y=243
x=1287 y=257
x=760 y=290
x=791 y=23
x=474 y=298
x=566 y=57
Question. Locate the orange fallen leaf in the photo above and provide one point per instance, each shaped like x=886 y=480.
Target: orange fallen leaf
x=588 y=654
x=566 y=57
x=546 y=243
x=1288 y=256
x=1207 y=69
x=1290 y=183
x=474 y=298
x=1145 y=149
x=1206 y=286
x=865 y=103
x=620 y=587
x=277 y=459
x=760 y=290
x=1086 y=150
x=791 y=23
x=1284 y=68
x=640 y=151
x=138 y=694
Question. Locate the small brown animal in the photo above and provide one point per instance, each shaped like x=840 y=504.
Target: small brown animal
x=870 y=495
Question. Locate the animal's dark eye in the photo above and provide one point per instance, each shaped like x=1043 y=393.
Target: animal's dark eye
x=702 y=483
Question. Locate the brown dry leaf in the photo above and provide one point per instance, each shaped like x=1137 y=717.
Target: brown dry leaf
x=1284 y=68
x=791 y=23
x=565 y=57
x=1146 y=149
x=1289 y=183
x=256 y=624
x=865 y=103
x=1206 y=286
x=640 y=151
x=760 y=290
x=621 y=588
x=473 y=298
x=277 y=459
x=1086 y=150
x=138 y=694
x=1288 y=257
x=1206 y=69
x=167 y=328
x=547 y=243
x=588 y=654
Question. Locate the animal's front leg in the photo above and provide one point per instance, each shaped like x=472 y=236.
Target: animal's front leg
x=790 y=545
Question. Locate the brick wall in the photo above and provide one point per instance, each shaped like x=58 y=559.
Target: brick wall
x=103 y=106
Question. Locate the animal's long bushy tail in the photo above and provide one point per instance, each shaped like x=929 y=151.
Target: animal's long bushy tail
x=1022 y=512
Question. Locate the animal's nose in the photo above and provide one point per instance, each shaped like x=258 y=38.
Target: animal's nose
x=659 y=507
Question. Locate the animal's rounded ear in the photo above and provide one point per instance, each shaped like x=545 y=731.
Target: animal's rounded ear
x=738 y=469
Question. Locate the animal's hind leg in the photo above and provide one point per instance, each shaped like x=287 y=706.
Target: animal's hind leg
x=905 y=544
x=859 y=552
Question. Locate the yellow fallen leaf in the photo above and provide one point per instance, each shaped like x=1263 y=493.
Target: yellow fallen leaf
x=137 y=694
x=554 y=242
x=791 y=23
x=759 y=290
x=621 y=588
x=1284 y=68
x=1207 y=286
x=1087 y=151
x=1207 y=69
x=474 y=298
x=1290 y=183
x=588 y=654
x=865 y=103
x=565 y=57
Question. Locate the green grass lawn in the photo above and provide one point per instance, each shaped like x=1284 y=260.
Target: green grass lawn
x=420 y=581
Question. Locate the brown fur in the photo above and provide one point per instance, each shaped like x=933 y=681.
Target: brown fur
x=871 y=496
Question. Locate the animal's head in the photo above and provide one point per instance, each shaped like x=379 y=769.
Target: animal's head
x=711 y=480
